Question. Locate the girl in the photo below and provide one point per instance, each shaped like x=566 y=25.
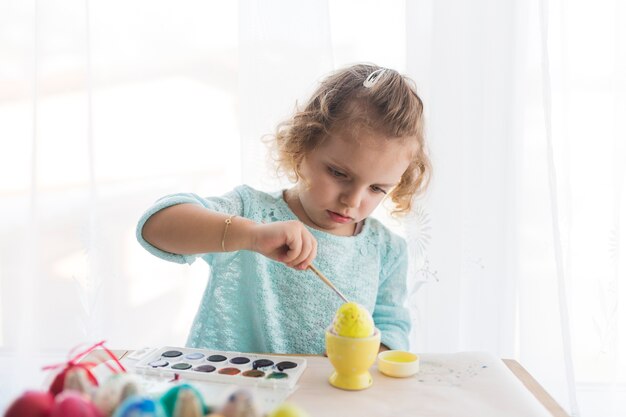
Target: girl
x=358 y=140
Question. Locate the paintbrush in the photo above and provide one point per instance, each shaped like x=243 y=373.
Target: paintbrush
x=327 y=282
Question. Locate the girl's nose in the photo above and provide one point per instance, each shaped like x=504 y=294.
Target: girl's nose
x=351 y=197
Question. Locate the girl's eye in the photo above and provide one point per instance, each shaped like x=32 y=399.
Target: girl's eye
x=336 y=173
x=378 y=189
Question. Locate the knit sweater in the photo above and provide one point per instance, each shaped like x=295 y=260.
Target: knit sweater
x=254 y=304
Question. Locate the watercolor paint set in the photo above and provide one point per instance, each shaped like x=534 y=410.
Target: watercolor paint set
x=220 y=366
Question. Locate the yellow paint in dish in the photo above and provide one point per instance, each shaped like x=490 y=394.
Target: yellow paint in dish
x=400 y=356
x=398 y=363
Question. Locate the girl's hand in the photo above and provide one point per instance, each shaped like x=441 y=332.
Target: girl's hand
x=288 y=242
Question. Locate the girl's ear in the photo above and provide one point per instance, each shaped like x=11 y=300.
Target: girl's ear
x=300 y=179
x=296 y=171
x=294 y=166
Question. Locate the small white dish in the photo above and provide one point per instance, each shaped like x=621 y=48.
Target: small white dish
x=398 y=363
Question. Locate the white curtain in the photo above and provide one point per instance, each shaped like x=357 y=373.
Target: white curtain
x=515 y=250
x=525 y=109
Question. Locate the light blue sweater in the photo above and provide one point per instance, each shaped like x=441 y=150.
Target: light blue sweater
x=254 y=304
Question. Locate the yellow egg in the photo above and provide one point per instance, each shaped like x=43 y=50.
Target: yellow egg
x=353 y=320
x=288 y=410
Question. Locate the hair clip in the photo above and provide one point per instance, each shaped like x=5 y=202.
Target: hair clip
x=373 y=77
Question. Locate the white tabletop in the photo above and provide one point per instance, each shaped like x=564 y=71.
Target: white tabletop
x=461 y=384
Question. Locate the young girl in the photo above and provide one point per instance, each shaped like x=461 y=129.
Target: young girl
x=358 y=140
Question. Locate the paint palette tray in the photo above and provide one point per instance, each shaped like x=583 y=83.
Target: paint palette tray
x=220 y=366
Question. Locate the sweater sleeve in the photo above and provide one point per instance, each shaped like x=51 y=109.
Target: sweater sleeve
x=230 y=203
x=390 y=314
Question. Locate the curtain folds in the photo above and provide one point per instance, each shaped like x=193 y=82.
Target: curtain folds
x=524 y=108
x=517 y=248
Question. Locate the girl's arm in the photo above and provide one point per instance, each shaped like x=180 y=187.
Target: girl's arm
x=191 y=229
x=390 y=314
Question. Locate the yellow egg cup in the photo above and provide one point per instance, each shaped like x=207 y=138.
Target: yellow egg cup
x=351 y=357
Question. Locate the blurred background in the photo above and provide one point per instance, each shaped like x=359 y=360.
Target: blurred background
x=517 y=249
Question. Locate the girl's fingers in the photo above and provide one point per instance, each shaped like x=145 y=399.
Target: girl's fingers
x=310 y=255
x=295 y=247
x=307 y=245
x=290 y=243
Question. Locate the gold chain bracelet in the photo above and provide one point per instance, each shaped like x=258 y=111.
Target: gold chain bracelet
x=227 y=223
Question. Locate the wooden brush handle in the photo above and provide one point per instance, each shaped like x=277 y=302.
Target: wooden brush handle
x=327 y=282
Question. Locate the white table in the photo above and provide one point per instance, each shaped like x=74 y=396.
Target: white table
x=414 y=395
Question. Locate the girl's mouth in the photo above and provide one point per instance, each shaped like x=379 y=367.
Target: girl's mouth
x=336 y=217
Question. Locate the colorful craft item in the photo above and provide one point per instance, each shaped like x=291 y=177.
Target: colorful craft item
x=75 y=362
x=113 y=391
x=74 y=404
x=31 y=404
x=76 y=379
x=238 y=369
x=353 y=320
x=137 y=406
x=170 y=398
x=287 y=409
x=240 y=404
x=187 y=405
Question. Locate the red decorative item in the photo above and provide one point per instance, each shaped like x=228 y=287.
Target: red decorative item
x=59 y=380
x=31 y=404
x=75 y=362
x=73 y=404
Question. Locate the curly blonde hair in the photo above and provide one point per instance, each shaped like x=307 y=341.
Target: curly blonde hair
x=390 y=106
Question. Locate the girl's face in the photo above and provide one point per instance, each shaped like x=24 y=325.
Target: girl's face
x=346 y=177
